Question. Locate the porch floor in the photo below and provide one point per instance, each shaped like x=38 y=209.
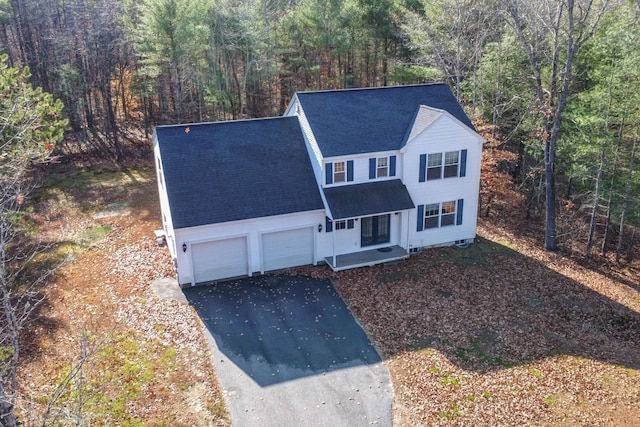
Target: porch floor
x=367 y=258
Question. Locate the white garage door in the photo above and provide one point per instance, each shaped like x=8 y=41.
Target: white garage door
x=289 y=248
x=220 y=259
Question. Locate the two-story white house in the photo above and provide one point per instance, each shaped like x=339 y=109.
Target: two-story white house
x=347 y=177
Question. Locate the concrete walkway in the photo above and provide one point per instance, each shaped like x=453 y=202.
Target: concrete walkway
x=288 y=352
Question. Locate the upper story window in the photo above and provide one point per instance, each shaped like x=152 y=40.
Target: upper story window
x=442 y=165
x=434 y=166
x=382 y=167
x=451 y=160
x=338 y=172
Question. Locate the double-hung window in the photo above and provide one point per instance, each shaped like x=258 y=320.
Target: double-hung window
x=431 y=215
x=451 y=161
x=442 y=165
x=448 y=213
x=382 y=167
x=442 y=214
x=434 y=166
x=339 y=172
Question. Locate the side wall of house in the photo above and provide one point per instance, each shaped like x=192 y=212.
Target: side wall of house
x=167 y=222
x=443 y=136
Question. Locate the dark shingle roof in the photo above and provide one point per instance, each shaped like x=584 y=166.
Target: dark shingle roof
x=350 y=201
x=228 y=171
x=355 y=121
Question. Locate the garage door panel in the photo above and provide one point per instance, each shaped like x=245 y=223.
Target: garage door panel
x=220 y=259
x=290 y=248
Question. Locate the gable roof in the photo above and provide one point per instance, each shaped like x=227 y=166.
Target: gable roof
x=423 y=119
x=370 y=198
x=229 y=171
x=355 y=121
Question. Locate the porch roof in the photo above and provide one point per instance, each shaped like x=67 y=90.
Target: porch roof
x=371 y=198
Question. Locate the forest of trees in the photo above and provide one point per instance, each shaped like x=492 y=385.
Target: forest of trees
x=556 y=81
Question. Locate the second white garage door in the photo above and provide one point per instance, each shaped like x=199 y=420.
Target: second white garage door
x=290 y=248
x=220 y=259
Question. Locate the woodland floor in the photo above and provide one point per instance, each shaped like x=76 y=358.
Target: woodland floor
x=499 y=334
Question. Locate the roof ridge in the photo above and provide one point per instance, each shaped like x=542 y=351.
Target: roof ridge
x=222 y=122
x=357 y=89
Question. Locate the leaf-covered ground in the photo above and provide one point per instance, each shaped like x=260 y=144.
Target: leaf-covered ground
x=499 y=334
x=151 y=364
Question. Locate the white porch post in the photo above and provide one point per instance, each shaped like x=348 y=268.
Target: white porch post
x=407 y=221
x=333 y=239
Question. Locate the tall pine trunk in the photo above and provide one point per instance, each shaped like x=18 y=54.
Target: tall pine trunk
x=625 y=202
x=596 y=205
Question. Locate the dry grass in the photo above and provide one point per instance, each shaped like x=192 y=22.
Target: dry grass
x=152 y=365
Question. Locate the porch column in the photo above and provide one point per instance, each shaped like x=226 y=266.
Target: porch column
x=404 y=217
x=333 y=242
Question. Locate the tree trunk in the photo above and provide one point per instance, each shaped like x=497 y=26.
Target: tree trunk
x=607 y=224
x=625 y=202
x=550 y=235
x=596 y=204
x=111 y=118
x=552 y=101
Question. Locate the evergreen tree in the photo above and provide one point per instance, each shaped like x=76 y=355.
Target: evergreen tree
x=30 y=127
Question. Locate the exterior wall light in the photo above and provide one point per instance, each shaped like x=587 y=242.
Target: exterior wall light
x=184 y=247
x=319 y=228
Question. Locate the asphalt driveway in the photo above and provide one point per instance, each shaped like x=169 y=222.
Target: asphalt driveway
x=288 y=352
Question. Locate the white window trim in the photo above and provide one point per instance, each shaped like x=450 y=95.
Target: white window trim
x=439 y=214
x=343 y=172
x=385 y=167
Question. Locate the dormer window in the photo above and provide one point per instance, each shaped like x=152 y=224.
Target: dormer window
x=339 y=174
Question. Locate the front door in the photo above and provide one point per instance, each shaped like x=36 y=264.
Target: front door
x=375 y=230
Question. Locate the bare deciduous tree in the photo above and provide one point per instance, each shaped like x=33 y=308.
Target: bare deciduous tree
x=552 y=33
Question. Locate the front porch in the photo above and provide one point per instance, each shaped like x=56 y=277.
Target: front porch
x=368 y=258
